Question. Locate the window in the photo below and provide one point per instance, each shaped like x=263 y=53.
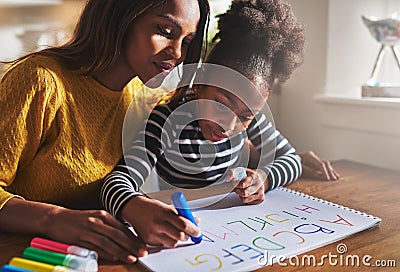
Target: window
x=352 y=50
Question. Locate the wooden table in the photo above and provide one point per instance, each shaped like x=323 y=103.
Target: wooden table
x=362 y=187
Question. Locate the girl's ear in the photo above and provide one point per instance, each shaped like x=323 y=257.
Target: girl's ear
x=267 y=95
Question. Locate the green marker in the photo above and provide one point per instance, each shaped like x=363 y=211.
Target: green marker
x=67 y=260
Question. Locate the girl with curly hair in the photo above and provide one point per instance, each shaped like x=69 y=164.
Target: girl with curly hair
x=197 y=136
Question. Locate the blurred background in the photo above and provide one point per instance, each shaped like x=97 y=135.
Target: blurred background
x=320 y=108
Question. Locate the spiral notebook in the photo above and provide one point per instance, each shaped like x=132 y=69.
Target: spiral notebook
x=239 y=237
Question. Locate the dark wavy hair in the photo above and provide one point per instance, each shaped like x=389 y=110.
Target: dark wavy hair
x=100 y=31
x=259 y=39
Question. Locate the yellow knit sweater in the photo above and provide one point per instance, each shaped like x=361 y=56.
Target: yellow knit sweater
x=61 y=132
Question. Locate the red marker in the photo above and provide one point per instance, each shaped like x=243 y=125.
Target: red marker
x=50 y=245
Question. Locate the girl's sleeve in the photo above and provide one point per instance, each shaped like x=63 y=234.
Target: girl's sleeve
x=134 y=167
x=27 y=108
x=277 y=157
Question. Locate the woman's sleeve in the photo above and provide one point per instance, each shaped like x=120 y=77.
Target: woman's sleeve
x=134 y=167
x=27 y=106
x=277 y=157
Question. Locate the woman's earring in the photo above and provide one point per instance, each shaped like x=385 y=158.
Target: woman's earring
x=179 y=72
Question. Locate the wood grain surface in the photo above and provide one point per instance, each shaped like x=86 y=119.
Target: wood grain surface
x=362 y=187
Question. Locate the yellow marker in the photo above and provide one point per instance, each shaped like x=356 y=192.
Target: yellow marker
x=37 y=266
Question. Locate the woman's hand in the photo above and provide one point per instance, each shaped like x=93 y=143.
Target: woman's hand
x=251 y=189
x=156 y=223
x=317 y=168
x=96 y=230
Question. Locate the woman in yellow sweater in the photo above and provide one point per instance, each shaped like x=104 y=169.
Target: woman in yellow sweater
x=61 y=116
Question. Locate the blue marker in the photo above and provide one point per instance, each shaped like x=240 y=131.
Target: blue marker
x=179 y=201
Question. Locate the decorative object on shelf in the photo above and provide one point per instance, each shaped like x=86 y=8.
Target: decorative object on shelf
x=387 y=33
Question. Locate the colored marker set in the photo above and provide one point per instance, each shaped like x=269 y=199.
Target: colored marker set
x=47 y=256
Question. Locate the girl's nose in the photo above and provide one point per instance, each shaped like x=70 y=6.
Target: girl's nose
x=175 y=49
x=232 y=123
x=228 y=122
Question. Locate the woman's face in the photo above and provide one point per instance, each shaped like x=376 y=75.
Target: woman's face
x=222 y=114
x=158 y=40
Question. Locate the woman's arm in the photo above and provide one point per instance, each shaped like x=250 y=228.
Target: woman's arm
x=95 y=229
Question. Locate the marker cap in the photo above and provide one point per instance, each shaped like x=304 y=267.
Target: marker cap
x=83 y=252
x=239 y=173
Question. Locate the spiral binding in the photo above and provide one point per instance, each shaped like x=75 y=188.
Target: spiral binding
x=327 y=202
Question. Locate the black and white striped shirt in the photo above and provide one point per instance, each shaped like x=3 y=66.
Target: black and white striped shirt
x=174 y=144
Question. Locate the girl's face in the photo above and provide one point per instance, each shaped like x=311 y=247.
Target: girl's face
x=158 y=40
x=222 y=114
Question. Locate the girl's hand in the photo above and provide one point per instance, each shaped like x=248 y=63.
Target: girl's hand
x=317 y=168
x=96 y=230
x=251 y=189
x=156 y=223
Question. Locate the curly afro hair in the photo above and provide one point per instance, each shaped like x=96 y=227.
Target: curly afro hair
x=260 y=39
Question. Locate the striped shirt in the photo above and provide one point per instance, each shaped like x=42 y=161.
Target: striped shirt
x=173 y=143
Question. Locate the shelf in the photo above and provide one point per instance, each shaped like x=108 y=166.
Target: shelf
x=359 y=101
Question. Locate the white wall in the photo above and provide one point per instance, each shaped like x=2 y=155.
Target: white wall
x=338 y=60
x=26 y=26
x=294 y=108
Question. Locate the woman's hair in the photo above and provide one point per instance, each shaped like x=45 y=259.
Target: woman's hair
x=99 y=34
x=260 y=39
